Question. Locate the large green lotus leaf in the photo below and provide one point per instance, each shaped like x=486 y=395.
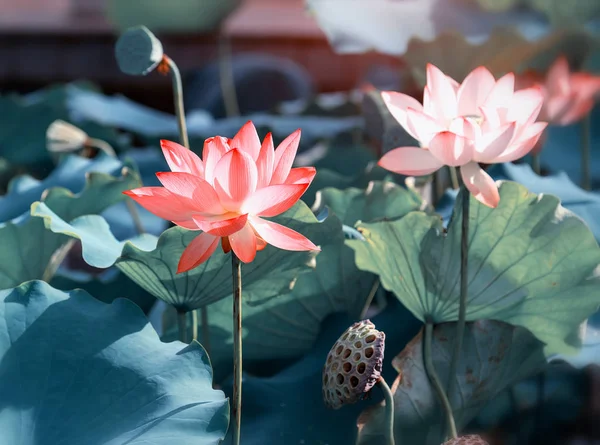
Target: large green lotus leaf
x=74 y=370
x=272 y=273
x=494 y=356
x=287 y=326
x=28 y=246
x=106 y=287
x=99 y=246
x=531 y=263
x=287 y=408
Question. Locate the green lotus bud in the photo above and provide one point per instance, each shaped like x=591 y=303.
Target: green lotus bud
x=138 y=51
x=353 y=365
x=466 y=440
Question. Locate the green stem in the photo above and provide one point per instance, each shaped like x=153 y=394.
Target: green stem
x=462 y=305
x=178 y=97
x=195 y=324
x=438 y=186
x=226 y=79
x=205 y=329
x=454 y=178
x=56 y=260
x=536 y=164
x=370 y=297
x=435 y=380
x=102 y=146
x=182 y=325
x=236 y=273
x=131 y=208
x=586 y=182
x=135 y=216
x=389 y=409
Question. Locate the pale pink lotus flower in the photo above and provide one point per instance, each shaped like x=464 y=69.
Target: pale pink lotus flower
x=460 y=125
x=228 y=193
x=569 y=97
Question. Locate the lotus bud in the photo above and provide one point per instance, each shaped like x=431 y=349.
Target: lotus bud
x=138 y=51
x=466 y=440
x=63 y=137
x=353 y=365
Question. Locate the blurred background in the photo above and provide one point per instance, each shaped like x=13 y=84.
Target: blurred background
x=47 y=41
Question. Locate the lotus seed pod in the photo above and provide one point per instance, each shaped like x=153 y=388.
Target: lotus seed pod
x=353 y=365
x=466 y=440
x=138 y=51
x=62 y=137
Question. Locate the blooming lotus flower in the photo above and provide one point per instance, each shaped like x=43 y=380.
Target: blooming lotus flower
x=228 y=194
x=569 y=96
x=460 y=125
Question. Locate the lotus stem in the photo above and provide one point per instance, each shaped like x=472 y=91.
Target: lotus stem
x=131 y=208
x=438 y=186
x=236 y=273
x=102 y=146
x=454 y=178
x=226 y=79
x=194 y=325
x=435 y=380
x=586 y=181
x=182 y=325
x=370 y=298
x=536 y=164
x=205 y=328
x=173 y=70
x=389 y=409
x=56 y=260
x=464 y=275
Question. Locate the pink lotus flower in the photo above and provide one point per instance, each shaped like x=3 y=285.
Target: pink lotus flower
x=227 y=194
x=569 y=96
x=461 y=125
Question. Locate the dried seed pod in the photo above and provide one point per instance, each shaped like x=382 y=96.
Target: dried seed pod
x=353 y=365
x=138 y=51
x=466 y=440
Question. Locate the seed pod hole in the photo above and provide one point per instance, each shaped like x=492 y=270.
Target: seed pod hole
x=371 y=338
x=357 y=357
x=340 y=379
x=329 y=359
x=361 y=368
x=354 y=381
x=358 y=345
x=325 y=379
x=335 y=366
x=347 y=367
x=369 y=352
x=339 y=350
x=347 y=391
x=347 y=353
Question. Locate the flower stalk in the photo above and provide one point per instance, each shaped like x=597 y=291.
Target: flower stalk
x=586 y=181
x=168 y=66
x=536 y=164
x=182 y=325
x=389 y=410
x=236 y=273
x=435 y=380
x=464 y=275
